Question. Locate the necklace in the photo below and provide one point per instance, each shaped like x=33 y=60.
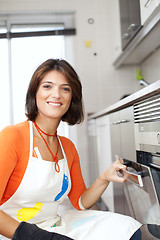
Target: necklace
x=55 y=158
x=50 y=135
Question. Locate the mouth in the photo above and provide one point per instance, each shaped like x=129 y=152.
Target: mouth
x=55 y=104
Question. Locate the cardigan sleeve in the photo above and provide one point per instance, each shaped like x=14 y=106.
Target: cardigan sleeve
x=8 y=157
x=14 y=153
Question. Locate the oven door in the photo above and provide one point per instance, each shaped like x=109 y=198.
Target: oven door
x=142 y=198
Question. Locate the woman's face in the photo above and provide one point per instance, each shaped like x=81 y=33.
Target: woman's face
x=54 y=96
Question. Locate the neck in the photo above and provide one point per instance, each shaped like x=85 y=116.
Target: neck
x=47 y=125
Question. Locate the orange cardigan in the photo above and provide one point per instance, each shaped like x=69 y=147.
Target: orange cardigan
x=14 y=156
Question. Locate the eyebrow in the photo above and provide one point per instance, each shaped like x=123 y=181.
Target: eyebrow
x=63 y=84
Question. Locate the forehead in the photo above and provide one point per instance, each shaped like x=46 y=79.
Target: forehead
x=55 y=77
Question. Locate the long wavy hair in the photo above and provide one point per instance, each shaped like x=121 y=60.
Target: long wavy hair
x=75 y=113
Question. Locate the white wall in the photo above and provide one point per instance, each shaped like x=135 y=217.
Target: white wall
x=151 y=67
x=102 y=84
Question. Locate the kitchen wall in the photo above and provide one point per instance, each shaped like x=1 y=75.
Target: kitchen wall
x=102 y=84
x=151 y=67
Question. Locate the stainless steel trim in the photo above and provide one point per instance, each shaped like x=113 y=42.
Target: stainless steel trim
x=150 y=148
x=147 y=102
x=148 y=110
x=147 y=119
x=154 y=165
x=156 y=160
x=146 y=115
x=149 y=127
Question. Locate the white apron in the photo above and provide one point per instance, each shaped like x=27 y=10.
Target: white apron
x=39 y=194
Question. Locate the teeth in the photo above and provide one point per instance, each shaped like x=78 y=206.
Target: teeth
x=54 y=104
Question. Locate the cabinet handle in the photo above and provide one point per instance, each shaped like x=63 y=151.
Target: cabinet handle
x=132 y=27
x=147 y=3
x=124 y=121
x=120 y=121
x=116 y=122
x=126 y=36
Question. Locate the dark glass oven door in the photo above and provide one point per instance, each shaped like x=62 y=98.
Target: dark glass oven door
x=142 y=197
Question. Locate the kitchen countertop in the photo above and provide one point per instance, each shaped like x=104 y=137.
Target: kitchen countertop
x=142 y=94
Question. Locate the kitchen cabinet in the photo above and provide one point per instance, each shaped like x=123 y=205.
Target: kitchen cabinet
x=93 y=155
x=104 y=156
x=115 y=32
x=130 y=20
x=117 y=121
x=146 y=8
x=144 y=43
x=123 y=145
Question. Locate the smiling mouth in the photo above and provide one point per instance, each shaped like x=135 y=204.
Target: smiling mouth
x=55 y=104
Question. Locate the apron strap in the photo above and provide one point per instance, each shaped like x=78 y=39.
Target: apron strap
x=31 y=138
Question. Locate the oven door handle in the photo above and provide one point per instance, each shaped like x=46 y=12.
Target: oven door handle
x=135 y=178
x=132 y=165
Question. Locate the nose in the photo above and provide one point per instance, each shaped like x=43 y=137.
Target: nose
x=56 y=92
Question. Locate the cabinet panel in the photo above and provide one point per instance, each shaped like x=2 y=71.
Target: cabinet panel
x=115 y=32
x=115 y=135
x=127 y=135
x=116 y=150
x=147 y=7
x=104 y=156
x=122 y=144
x=93 y=155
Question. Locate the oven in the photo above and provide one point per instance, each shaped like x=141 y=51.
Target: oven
x=142 y=188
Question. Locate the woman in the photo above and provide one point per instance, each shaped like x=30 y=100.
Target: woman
x=38 y=169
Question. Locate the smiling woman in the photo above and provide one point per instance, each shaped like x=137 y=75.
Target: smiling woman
x=39 y=168
x=67 y=87
x=53 y=96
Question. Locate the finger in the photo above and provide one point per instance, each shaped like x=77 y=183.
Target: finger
x=116 y=158
x=121 y=160
x=119 y=166
x=119 y=179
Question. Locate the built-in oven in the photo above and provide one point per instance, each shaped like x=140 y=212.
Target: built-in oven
x=142 y=189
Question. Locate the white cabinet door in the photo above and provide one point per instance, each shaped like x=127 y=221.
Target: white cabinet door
x=122 y=144
x=104 y=156
x=93 y=157
x=147 y=7
x=114 y=29
x=127 y=134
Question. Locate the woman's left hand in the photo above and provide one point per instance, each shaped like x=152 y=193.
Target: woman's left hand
x=112 y=173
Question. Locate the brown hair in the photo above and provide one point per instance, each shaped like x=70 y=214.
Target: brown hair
x=75 y=112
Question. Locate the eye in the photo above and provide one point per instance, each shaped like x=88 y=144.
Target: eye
x=47 y=86
x=66 y=89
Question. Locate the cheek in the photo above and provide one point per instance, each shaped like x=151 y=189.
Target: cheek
x=39 y=98
x=69 y=100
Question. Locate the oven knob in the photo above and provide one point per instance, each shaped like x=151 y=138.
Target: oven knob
x=158 y=138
